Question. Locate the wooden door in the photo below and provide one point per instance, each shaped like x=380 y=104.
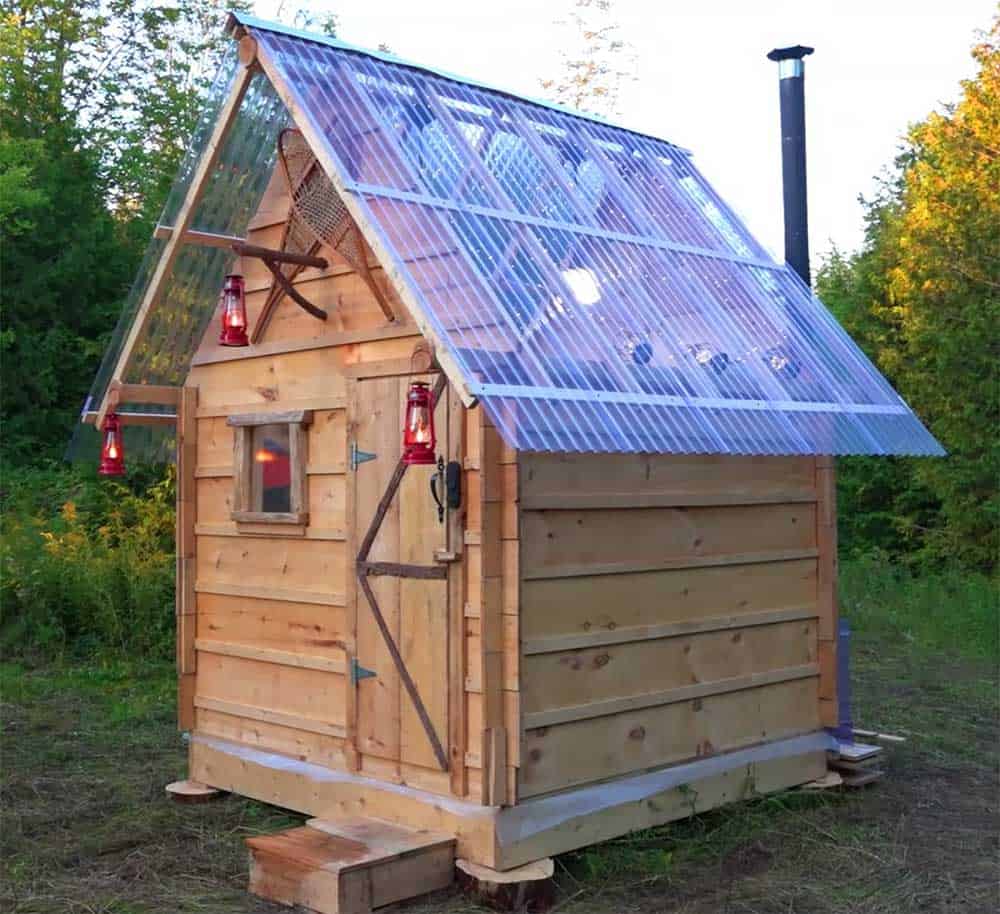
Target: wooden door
x=388 y=724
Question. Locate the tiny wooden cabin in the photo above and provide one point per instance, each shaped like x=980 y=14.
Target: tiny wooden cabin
x=625 y=608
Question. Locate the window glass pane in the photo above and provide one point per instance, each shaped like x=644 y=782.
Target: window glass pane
x=272 y=469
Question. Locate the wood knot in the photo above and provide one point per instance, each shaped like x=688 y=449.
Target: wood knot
x=586 y=626
x=535 y=755
x=602 y=660
x=737 y=638
x=687 y=648
x=638 y=733
x=268 y=393
x=696 y=705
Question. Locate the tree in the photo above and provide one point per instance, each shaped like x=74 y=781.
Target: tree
x=923 y=298
x=595 y=61
x=96 y=100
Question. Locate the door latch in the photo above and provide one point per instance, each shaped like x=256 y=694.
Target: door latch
x=358 y=672
x=449 y=478
x=359 y=456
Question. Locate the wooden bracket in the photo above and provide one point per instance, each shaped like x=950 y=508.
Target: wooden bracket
x=365 y=569
x=272 y=259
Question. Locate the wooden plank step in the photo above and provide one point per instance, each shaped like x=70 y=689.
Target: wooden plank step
x=839 y=764
x=349 y=866
x=861 y=779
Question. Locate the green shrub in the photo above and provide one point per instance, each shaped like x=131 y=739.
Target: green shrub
x=87 y=564
x=949 y=611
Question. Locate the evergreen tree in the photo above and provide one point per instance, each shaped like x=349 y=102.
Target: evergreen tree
x=923 y=298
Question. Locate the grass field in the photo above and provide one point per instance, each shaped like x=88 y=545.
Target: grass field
x=86 y=828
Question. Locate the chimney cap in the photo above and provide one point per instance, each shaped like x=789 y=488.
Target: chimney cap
x=796 y=52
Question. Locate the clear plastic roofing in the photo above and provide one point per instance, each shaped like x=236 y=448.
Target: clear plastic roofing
x=164 y=351
x=593 y=289
x=596 y=292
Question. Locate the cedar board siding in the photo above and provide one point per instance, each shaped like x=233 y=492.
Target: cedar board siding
x=670 y=609
x=273 y=629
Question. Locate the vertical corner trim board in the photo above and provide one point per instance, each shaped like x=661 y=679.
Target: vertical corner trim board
x=185 y=597
x=826 y=588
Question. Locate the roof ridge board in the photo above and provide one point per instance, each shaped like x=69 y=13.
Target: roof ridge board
x=239 y=19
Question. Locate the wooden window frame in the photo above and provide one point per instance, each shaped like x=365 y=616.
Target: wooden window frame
x=243 y=426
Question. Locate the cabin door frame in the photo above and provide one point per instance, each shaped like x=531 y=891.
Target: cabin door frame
x=387 y=731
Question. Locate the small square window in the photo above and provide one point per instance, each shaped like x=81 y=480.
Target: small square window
x=271 y=484
x=269 y=468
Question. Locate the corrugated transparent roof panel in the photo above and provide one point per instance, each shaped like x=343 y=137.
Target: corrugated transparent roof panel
x=595 y=290
x=163 y=353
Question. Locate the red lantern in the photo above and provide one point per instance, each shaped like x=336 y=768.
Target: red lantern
x=112 y=451
x=418 y=432
x=234 y=312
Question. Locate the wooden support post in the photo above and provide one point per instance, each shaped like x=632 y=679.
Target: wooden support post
x=186 y=606
x=175 y=243
x=826 y=584
x=191 y=792
x=524 y=888
x=455 y=545
x=494 y=753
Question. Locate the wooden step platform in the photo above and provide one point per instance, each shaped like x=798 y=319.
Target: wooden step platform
x=349 y=866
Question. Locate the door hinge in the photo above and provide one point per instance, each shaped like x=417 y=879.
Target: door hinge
x=359 y=456
x=358 y=672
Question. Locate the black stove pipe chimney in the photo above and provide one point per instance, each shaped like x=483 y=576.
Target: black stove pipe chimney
x=791 y=80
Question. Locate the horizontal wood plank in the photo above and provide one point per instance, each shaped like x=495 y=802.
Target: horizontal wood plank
x=547 y=718
x=304 y=692
x=583 y=751
x=326 y=749
x=598 y=604
x=280 y=347
x=291 y=417
x=268 y=715
x=629 y=476
x=287 y=564
x=569 y=501
x=287 y=595
x=583 y=569
x=263 y=413
x=270 y=655
x=612 y=540
x=608 y=637
x=299 y=628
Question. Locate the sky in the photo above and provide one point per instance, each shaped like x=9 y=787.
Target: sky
x=703 y=80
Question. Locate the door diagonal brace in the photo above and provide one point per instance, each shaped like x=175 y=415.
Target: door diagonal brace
x=364 y=569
